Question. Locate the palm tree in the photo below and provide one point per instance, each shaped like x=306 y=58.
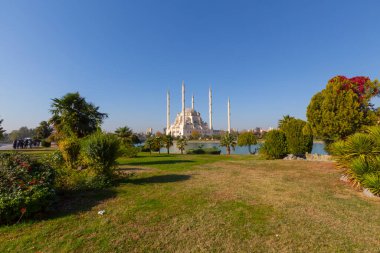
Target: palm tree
x=228 y=141
x=124 y=134
x=285 y=119
x=158 y=143
x=149 y=143
x=247 y=139
x=73 y=115
x=168 y=141
x=181 y=144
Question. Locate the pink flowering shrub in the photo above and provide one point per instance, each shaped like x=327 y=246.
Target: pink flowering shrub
x=26 y=187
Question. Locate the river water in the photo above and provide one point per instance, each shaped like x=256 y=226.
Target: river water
x=318 y=148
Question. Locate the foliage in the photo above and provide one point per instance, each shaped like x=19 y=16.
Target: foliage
x=70 y=148
x=149 y=144
x=247 y=139
x=158 y=143
x=275 y=146
x=298 y=135
x=43 y=131
x=2 y=131
x=284 y=120
x=195 y=135
x=342 y=108
x=124 y=134
x=229 y=141
x=21 y=133
x=359 y=158
x=129 y=150
x=168 y=142
x=100 y=151
x=181 y=144
x=206 y=151
x=72 y=115
x=26 y=187
x=45 y=144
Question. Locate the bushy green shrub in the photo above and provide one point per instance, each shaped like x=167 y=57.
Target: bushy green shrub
x=208 y=151
x=129 y=150
x=26 y=186
x=298 y=135
x=275 y=145
x=359 y=158
x=100 y=151
x=70 y=148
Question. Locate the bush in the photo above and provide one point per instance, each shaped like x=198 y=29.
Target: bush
x=359 y=158
x=298 y=134
x=275 y=145
x=26 y=187
x=129 y=150
x=45 y=144
x=70 y=149
x=100 y=152
x=208 y=151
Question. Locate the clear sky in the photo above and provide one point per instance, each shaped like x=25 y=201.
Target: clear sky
x=269 y=57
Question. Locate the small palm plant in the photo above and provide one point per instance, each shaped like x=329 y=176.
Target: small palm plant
x=359 y=158
x=228 y=141
x=181 y=144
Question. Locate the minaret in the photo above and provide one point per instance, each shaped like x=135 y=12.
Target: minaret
x=183 y=104
x=210 y=107
x=168 y=113
x=192 y=102
x=229 y=116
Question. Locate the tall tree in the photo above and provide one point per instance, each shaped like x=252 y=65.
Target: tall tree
x=299 y=138
x=2 y=131
x=168 y=142
x=247 y=139
x=72 y=115
x=343 y=107
x=43 y=131
x=181 y=144
x=229 y=141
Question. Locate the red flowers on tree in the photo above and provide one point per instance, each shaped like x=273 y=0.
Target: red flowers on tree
x=361 y=85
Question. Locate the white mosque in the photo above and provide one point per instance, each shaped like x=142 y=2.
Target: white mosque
x=189 y=120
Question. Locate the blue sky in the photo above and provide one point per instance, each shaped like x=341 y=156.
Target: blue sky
x=269 y=57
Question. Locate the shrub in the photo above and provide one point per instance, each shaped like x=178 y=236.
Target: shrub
x=298 y=136
x=129 y=150
x=70 y=149
x=275 y=145
x=208 y=151
x=359 y=158
x=100 y=152
x=45 y=144
x=26 y=187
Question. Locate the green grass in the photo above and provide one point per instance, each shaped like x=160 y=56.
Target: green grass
x=206 y=203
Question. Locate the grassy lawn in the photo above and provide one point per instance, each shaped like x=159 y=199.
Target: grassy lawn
x=202 y=203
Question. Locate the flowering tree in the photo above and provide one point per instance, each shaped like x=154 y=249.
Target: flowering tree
x=343 y=107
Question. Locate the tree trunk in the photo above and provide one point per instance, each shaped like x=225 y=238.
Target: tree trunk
x=228 y=150
x=167 y=149
x=249 y=149
x=181 y=151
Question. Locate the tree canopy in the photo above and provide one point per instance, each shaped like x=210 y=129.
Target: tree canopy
x=343 y=107
x=298 y=135
x=229 y=141
x=2 y=131
x=72 y=115
x=43 y=131
x=247 y=139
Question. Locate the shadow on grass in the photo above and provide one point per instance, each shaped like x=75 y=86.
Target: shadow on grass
x=157 y=162
x=74 y=202
x=170 y=178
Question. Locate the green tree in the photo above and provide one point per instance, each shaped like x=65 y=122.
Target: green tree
x=2 y=131
x=229 y=141
x=342 y=108
x=43 y=131
x=168 y=141
x=72 y=115
x=284 y=120
x=275 y=146
x=298 y=135
x=149 y=143
x=124 y=134
x=181 y=144
x=22 y=133
x=247 y=139
x=158 y=143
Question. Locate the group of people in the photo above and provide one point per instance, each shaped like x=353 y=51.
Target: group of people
x=25 y=143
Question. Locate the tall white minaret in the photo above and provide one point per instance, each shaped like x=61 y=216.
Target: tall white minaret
x=229 y=116
x=183 y=103
x=210 y=107
x=168 y=113
x=192 y=102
